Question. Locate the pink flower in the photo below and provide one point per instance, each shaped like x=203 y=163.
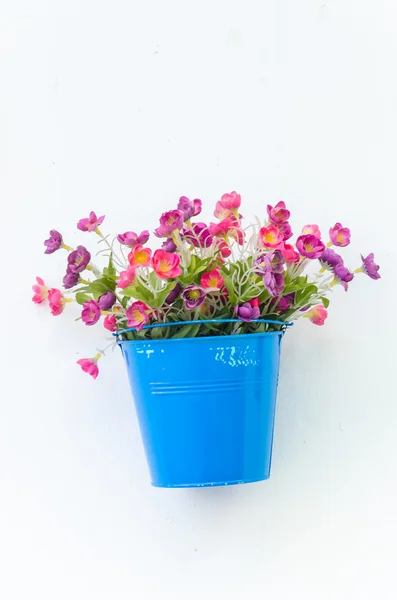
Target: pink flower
x=221 y=229
x=40 y=291
x=166 y=264
x=169 y=222
x=91 y=312
x=130 y=238
x=213 y=279
x=57 y=301
x=340 y=236
x=89 y=365
x=278 y=213
x=140 y=256
x=110 y=322
x=126 y=277
x=224 y=249
x=290 y=253
x=270 y=237
x=190 y=208
x=310 y=246
x=198 y=235
x=137 y=315
x=91 y=223
x=311 y=230
x=230 y=201
x=221 y=213
x=317 y=314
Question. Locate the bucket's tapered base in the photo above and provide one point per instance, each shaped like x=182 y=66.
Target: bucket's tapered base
x=216 y=484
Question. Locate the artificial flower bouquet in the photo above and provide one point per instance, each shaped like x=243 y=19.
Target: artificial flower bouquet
x=202 y=272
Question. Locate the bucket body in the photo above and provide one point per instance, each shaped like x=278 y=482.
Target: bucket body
x=206 y=406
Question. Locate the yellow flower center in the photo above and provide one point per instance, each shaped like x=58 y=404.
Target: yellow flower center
x=164 y=265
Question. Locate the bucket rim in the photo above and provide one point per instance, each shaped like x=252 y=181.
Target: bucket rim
x=203 y=338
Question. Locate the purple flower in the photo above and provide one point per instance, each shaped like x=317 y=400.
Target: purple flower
x=91 y=223
x=340 y=236
x=309 y=246
x=71 y=279
x=78 y=259
x=169 y=245
x=278 y=213
x=274 y=283
x=343 y=275
x=276 y=261
x=131 y=239
x=107 y=300
x=173 y=295
x=193 y=296
x=91 y=312
x=330 y=259
x=284 y=303
x=369 y=267
x=247 y=312
x=169 y=222
x=54 y=242
x=285 y=230
x=198 y=234
x=189 y=208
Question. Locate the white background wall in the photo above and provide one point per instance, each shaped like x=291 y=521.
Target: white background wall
x=122 y=107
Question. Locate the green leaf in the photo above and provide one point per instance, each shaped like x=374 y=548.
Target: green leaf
x=187 y=331
x=325 y=301
x=81 y=297
x=110 y=271
x=230 y=288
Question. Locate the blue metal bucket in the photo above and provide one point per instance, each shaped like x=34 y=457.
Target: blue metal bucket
x=206 y=406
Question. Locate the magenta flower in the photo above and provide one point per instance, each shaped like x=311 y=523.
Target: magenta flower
x=91 y=223
x=169 y=222
x=285 y=302
x=343 y=276
x=330 y=259
x=198 y=235
x=110 y=322
x=71 y=279
x=169 y=245
x=89 y=365
x=340 y=236
x=274 y=283
x=369 y=267
x=270 y=236
x=246 y=312
x=317 y=314
x=174 y=294
x=278 y=214
x=57 y=301
x=285 y=230
x=54 y=242
x=40 y=291
x=224 y=249
x=91 y=312
x=193 y=296
x=166 y=264
x=126 y=277
x=310 y=246
x=137 y=315
x=290 y=254
x=131 y=239
x=230 y=201
x=78 y=260
x=190 y=208
x=107 y=300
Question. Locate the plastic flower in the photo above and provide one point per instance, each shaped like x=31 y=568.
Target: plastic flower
x=274 y=282
x=190 y=208
x=78 y=260
x=137 y=315
x=317 y=314
x=278 y=213
x=224 y=249
x=174 y=294
x=127 y=277
x=247 y=312
x=166 y=264
x=54 y=242
x=285 y=302
x=220 y=212
x=140 y=256
x=91 y=312
x=340 y=236
x=285 y=230
x=130 y=238
x=198 y=235
x=311 y=230
x=70 y=279
x=275 y=260
x=40 y=291
x=342 y=276
x=107 y=300
x=91 y=223
x=236 y=232
x=213 y=279
x=169 y=245
x=193 y=296
x=110 y=323
x=290 y=254
x=310 y=246
x=57 y=301
x=330 y=259
x=270 y=236
x=89 y=365
x=369 y=267
x=169 y=222
x=230 y=201
x=223 y=228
